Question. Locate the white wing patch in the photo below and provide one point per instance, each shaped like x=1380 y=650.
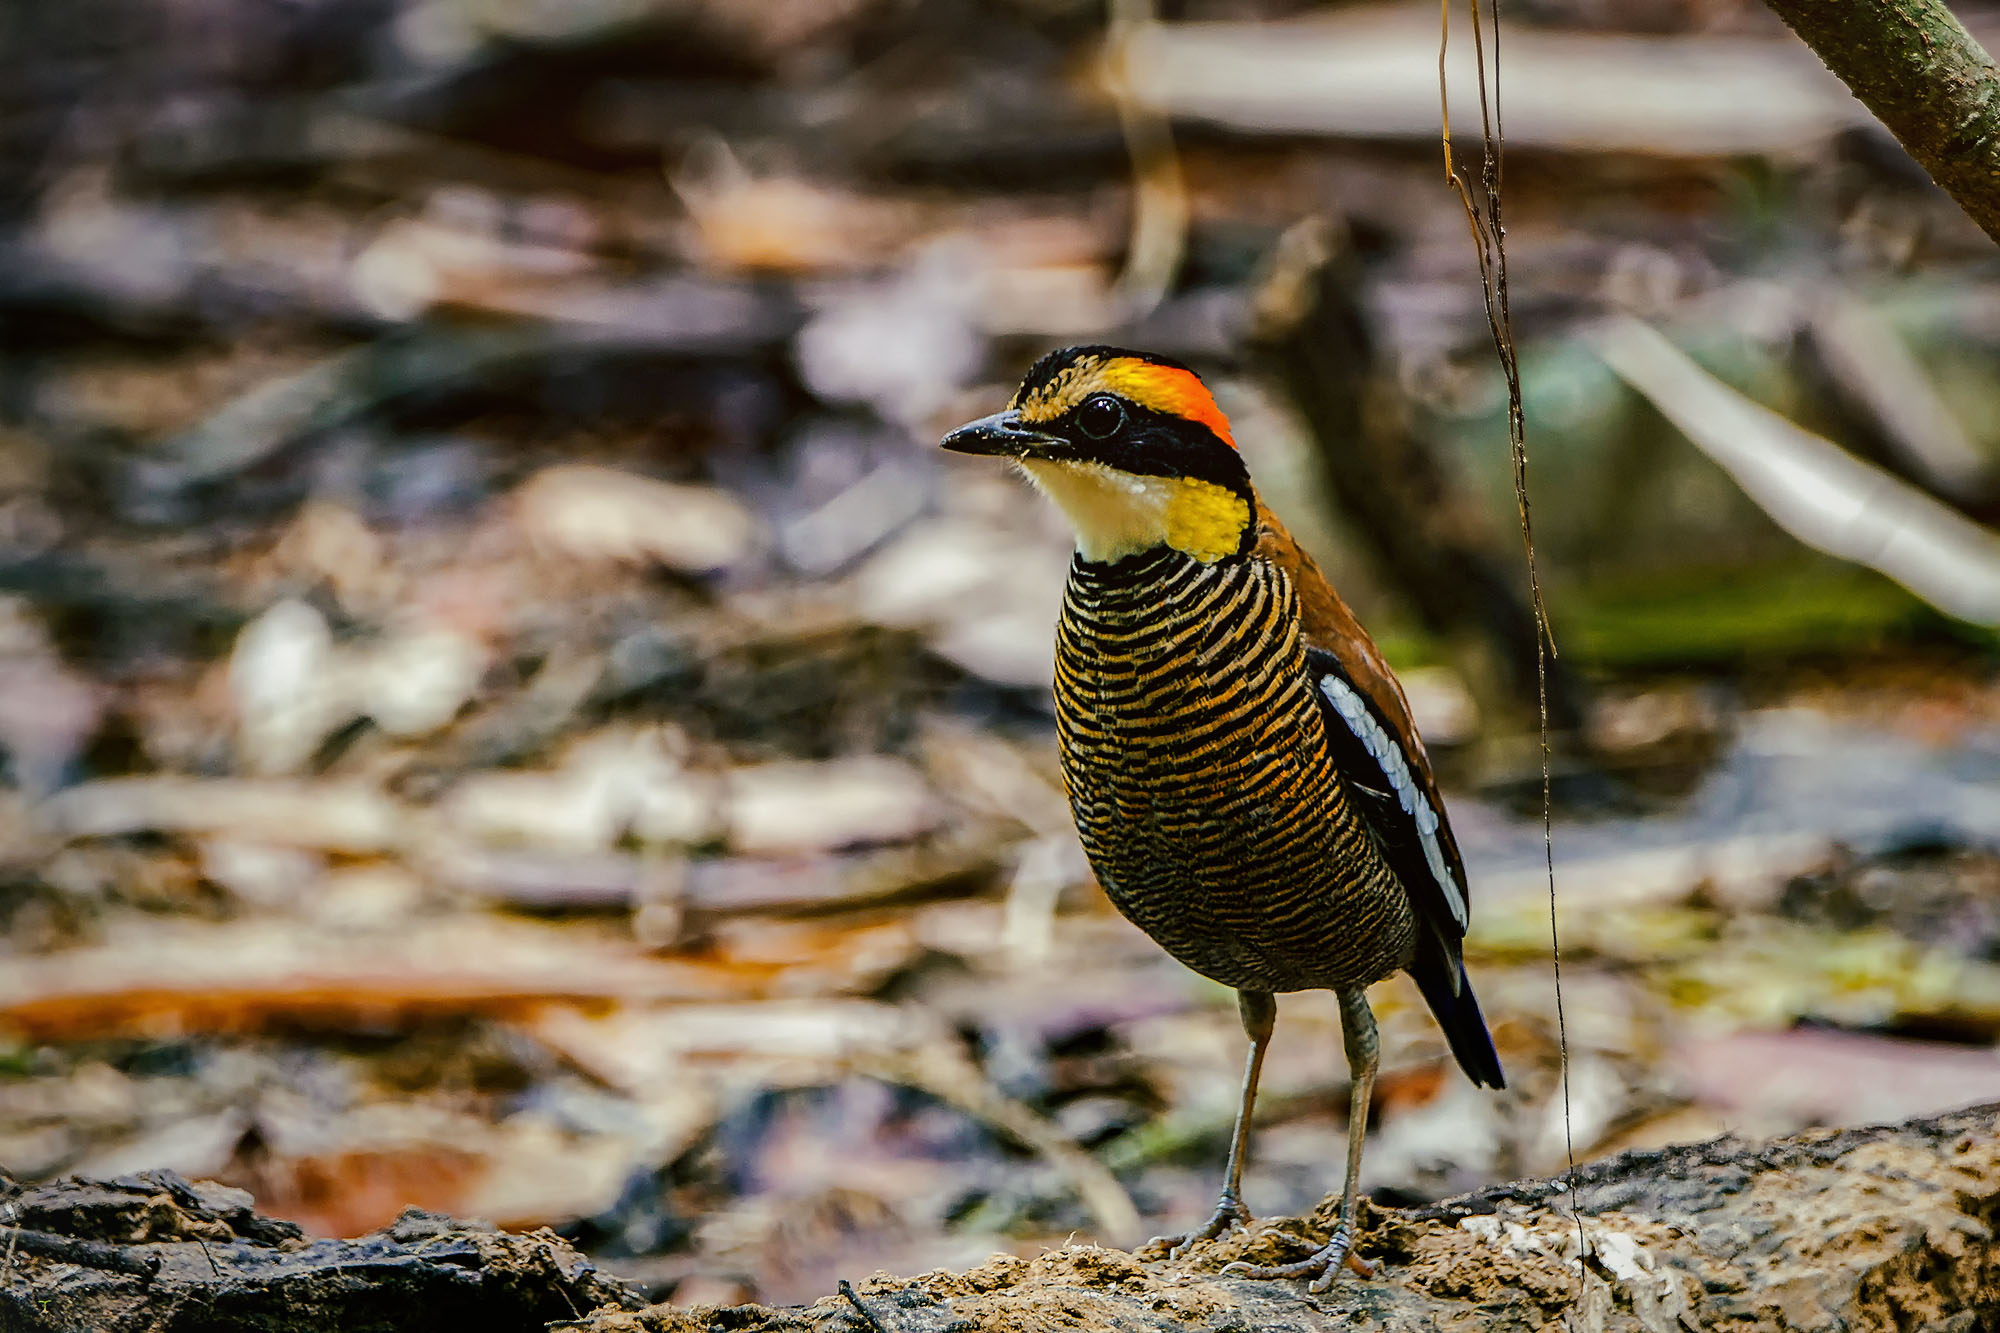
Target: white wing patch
x=1354 y=711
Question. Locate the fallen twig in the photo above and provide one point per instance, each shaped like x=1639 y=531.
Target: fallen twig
x=1810 y=487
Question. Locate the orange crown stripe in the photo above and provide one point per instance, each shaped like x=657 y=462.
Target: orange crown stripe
x=1171 y=390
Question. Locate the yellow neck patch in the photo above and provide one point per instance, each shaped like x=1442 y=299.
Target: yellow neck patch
x=1116 y=514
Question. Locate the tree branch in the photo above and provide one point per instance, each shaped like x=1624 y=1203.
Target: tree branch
x=1923 y=75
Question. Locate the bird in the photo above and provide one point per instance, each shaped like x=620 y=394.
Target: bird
x=1246 y=779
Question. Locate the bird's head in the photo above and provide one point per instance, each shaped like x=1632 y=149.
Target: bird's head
x=1131 y=447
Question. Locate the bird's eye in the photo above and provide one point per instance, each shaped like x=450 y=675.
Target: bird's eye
x=1100 y=416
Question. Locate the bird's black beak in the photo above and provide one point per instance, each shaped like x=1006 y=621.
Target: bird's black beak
x=1001 y=434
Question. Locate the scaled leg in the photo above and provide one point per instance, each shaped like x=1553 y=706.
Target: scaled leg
x=1260 y=1016
x=1357 y=1030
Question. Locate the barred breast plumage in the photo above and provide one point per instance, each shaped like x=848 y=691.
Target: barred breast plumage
x=1198 y=768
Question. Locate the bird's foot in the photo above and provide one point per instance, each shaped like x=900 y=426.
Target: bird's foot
x=1322 y=1267
x=1228 y=1215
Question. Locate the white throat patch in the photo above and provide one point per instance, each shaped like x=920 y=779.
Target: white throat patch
x=1115 y=513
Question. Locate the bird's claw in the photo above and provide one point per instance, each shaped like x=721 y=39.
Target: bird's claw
x=1322 y=1266
x=1228 y=1215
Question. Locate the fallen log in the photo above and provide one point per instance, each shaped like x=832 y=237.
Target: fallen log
x=155 y=1252
x=1373 y=72
x=1890 y=1227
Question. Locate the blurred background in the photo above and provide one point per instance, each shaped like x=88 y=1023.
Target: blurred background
x=504 y=708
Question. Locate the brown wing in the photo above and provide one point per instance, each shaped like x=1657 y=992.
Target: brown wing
x=1330 y=627
x=1375 y=740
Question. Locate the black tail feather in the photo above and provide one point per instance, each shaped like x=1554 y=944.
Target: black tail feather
x=1457 y=1012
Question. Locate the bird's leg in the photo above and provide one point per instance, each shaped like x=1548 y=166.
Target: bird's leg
x=1357 y=1030
x=1259 y=1011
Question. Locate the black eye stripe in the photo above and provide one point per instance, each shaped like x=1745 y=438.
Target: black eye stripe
x=1150 y=443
